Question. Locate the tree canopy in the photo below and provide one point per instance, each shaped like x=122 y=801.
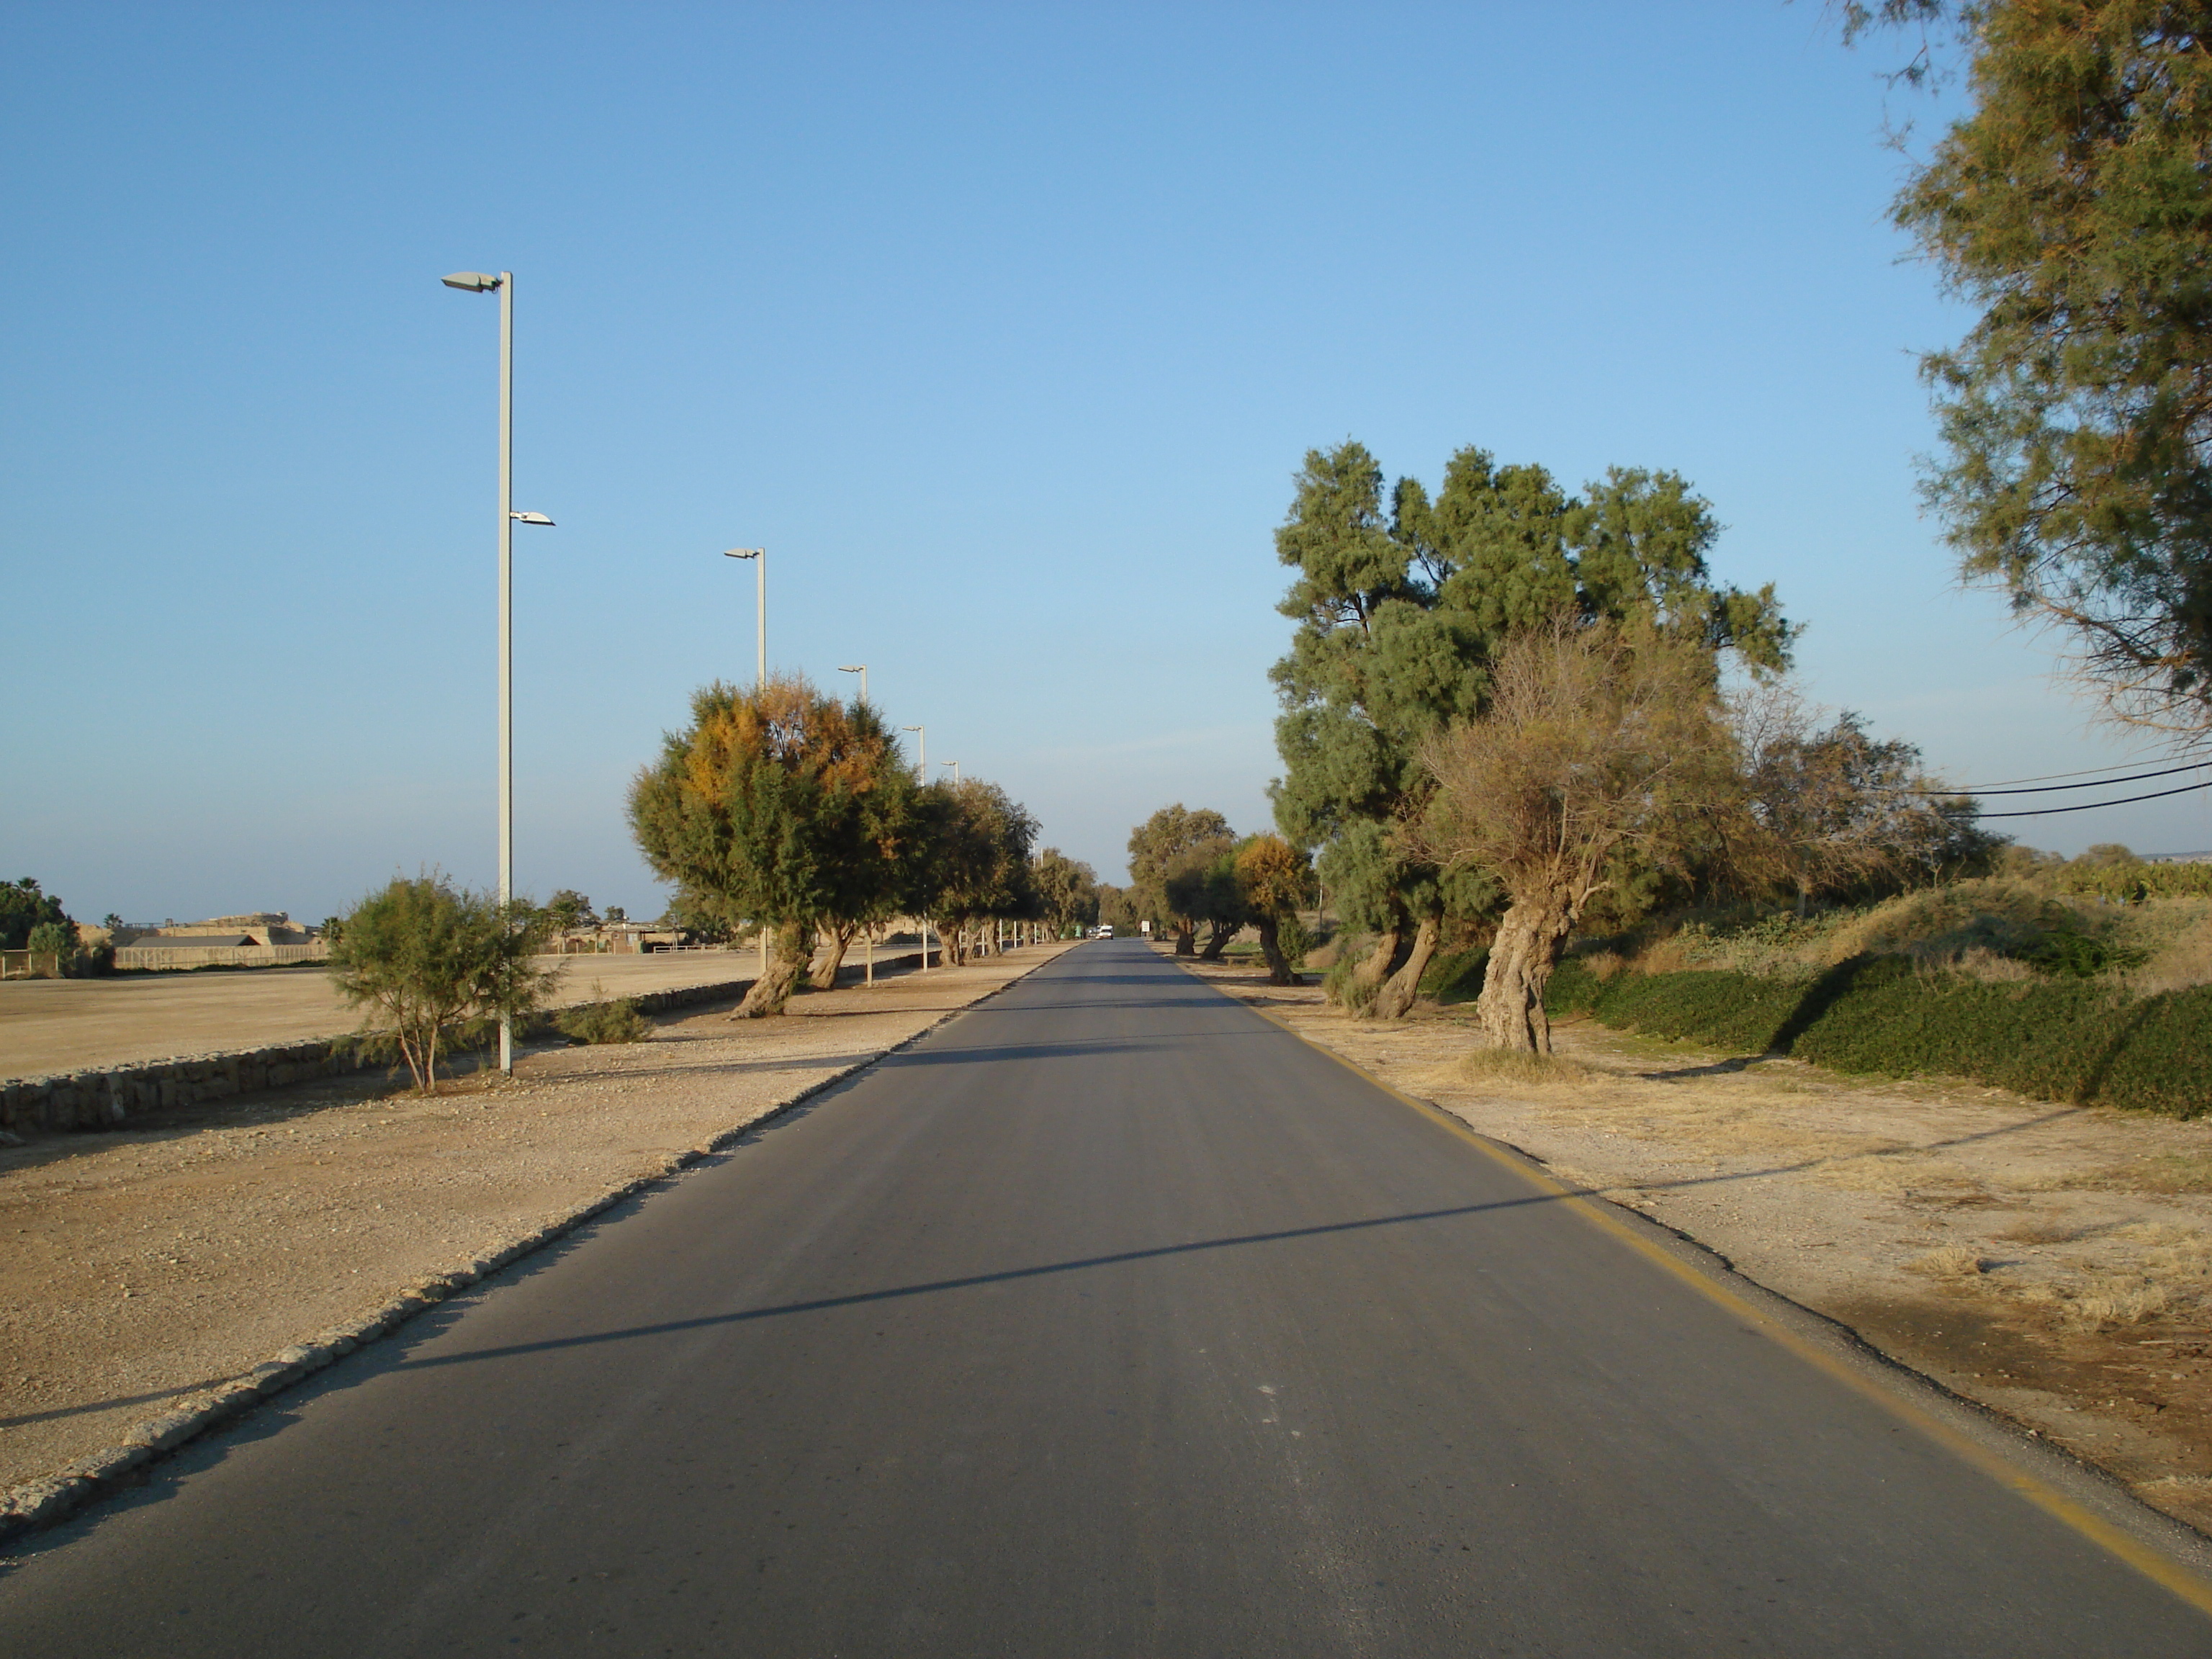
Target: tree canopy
x=1399 y=617
x=781 y=807
x=23 y=906
x=2073 y=207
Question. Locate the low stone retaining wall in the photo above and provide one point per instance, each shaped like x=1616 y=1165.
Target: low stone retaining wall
x=100 y=1099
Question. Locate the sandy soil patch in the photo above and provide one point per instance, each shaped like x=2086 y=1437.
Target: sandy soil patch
x=72 y=1025
x=144 y=1265
x=2053 y=1263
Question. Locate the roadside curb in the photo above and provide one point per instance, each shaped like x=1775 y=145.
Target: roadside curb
x=34 y=1505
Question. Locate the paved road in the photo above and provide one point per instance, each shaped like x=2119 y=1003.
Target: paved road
x=1110 y=1321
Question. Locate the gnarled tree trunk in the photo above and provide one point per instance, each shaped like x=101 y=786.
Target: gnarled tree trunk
x=1529 y=944
x=1279 y=971
x=1218 y=934
x=1186 y=938
x=840 y=940
x=790 y=947
x=1397 y=992
x=1375 y=967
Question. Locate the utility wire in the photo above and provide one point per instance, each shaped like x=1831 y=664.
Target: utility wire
x=2091 y=805
x=2055 y=788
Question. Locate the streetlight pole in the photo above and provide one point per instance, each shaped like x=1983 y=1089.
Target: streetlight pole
x=478 y=282
x=955 y=765
x=921 y=776
x=759 y=557
x=861 y=669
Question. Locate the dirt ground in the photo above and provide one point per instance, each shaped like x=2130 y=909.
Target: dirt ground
x=144 y=1265
x=72 y=1025
x=2052 y=1262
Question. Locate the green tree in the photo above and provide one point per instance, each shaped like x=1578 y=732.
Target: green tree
x=421 y=956
x=1168 y=854
x=756 y=809
x=1067 y=892
x=1602 y=745
x=1398 y=623
x=978 y=860
x=568 y=912
x=1274 y=880
x=2072 y=207
x=23 y=906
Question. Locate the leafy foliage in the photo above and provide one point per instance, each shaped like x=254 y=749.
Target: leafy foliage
x=2057 y=1039
x=618 y=1020
x=421 y=954
x=779 y=808
x=24 y=906
x=2072 y=207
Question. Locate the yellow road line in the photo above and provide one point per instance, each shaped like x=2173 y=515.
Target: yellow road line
x=2154 y=1563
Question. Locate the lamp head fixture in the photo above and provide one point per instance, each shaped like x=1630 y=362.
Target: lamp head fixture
x=530 y=518
x=743 y=552
x=852 y=668
x=471 y=281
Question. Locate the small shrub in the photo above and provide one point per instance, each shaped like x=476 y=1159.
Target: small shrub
x=618 y=1021
x=1456 y=976
x=1292 y=940
x=1338 y=986
x=2066 y=952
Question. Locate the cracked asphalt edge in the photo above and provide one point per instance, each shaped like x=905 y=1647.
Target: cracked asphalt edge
x=34 y=1505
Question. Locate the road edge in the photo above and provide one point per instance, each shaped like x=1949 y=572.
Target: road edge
x=34 y=1506
x=2088 y=1500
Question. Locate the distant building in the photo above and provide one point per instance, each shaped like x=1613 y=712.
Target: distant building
x=2177 y=858
x=230 y=932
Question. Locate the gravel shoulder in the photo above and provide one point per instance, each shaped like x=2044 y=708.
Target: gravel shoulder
x=2052 y=1263
x=145 y=1267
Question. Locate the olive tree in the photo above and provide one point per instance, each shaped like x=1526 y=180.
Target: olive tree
x=1274 y=880
x=1601 y=743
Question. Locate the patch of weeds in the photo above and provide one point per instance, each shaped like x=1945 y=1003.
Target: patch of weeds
x=1950 y=1261
x=2040 y=1230
x=1518 y=1066
x=618 y=1021
x=2167 y=1172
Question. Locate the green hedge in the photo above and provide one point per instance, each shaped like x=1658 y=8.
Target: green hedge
x=2072 y=1040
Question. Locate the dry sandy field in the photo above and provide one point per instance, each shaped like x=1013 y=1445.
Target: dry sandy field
x=72 y=1025
x=2052 y=1263
x=143 y=1267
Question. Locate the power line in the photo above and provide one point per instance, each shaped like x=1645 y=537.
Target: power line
x=2057 y=788
x=2050 y=777
x=2092 y=805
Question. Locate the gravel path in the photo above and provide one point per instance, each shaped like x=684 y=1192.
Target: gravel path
x=143 y=1266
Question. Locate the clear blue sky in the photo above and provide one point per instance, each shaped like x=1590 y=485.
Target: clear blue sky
x=1003 y=328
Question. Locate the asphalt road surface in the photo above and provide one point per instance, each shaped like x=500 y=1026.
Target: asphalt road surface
x=1111 y=1320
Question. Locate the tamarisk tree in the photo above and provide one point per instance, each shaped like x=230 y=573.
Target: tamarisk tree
x=779 y=806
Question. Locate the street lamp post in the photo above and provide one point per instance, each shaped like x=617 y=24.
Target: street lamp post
x=759 y=557
x=955 y=765
x=921 y=776
x=861 y=669
x=478 y=282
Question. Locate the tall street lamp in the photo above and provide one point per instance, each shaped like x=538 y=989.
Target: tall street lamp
x=861 y=669
x=759 y=557
x=955 y=765
x=478 y=282
x=921 y=776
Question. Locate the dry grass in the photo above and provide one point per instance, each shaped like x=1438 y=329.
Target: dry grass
x=1528 y=1071
x=2040 y=1230
x=2182 y=960
x=1901 y=1175
x=1949 y=1261
x=2164 y=1172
